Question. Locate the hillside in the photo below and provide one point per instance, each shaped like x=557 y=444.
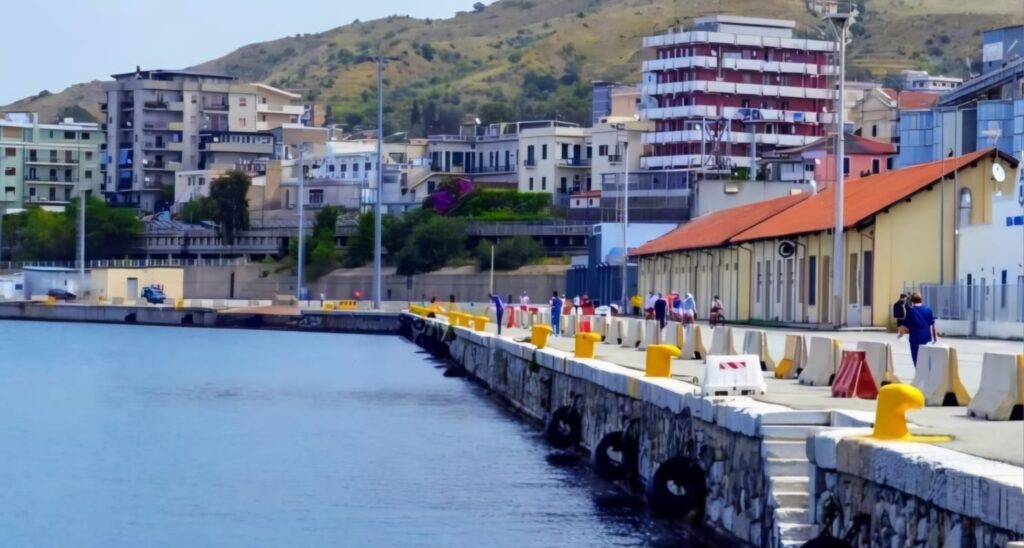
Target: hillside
x=536 y=58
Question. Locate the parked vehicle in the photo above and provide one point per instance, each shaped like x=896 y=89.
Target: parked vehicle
x=153 y=294
x=61 y=294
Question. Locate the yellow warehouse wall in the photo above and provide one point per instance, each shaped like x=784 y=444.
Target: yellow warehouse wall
x=112 y=283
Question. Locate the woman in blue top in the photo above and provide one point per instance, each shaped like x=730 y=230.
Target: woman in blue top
x=920 y=321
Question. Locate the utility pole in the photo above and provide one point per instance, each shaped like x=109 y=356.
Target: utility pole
x=302 y=222
x=380 y=185
x=839 y=21
x=625 y=225
x=81 y=215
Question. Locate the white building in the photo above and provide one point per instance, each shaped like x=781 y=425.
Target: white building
x=556 y=158
x=920 y=80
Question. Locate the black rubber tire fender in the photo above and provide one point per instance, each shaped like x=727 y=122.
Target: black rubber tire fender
x=565 y=429
x=616 y=456
x=678 y=488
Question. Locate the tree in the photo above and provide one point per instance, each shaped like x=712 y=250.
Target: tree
x=39 y=235
x=198 y=210
x=510 y=254
x=110 y=232
x=229 y=194
x=479 y=6
x=432 y=245
x=494 y=112
x=414 y=116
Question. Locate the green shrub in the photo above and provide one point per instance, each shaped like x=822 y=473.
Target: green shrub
x=510 y=254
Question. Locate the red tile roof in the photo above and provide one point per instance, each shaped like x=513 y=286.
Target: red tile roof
x=854 y=145
x=588 y=194
x=864 y=197
x=715 y=229
x=916 y=100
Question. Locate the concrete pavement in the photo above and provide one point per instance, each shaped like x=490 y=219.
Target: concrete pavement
x=997 y=440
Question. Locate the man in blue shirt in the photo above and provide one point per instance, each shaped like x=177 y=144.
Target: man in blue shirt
x=499 y=308
x=920 y=322
x=556 y=314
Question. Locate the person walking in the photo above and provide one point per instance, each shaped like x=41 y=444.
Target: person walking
x=677 y=306
x=920 y=323
x=689 y=307
x=556 y=314
x=524 y=299
x=649 y=305
x=716 y=312
x=499 y=308
x=899 y=313
x=576 y=304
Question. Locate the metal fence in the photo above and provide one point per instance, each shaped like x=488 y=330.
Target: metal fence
x=127 y=263
x=975 y=303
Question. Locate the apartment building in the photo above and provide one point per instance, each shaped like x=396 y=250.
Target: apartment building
x=489 y=155
x=731 y=86
x=920 y=80
x=46 y=165
x=556 y=158
x=157 y=121
x=614 y=100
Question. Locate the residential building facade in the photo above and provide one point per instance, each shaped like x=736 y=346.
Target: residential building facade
x=556 y=158
x=157 y=119
x=816 y=162
x=920 y=80
x=614 y=100
x=46 y=165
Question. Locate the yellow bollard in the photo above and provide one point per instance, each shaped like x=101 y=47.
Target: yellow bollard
x=659 y=359
x=479 y=323
x=455 y=318
x=894 y=400
x=585 y=344
x=328 y=305
x=51 y=300
x=179 y=304
x=539 y=335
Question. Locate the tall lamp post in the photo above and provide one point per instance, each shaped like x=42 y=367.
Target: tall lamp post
x=302 y=222
x=839 y=22
x=377 y=251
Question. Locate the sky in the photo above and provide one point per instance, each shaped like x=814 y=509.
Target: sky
x=71 y=41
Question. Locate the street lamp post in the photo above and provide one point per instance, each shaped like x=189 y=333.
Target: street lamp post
x=380 y=185
x=302 y=223
x=839 y=23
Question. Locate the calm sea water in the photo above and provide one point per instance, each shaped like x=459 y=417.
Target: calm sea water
x=139 y=436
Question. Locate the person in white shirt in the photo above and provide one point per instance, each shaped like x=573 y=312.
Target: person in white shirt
x=524 y=299
x=576 y=304
x=649 y=305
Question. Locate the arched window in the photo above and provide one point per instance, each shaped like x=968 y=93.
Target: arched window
x=965 y=206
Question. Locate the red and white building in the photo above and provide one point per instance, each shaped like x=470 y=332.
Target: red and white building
x=731 y=88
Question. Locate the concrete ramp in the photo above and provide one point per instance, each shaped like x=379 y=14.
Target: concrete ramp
x=822 y=362
x=938 y=377
x=652 y=334
x=755 y=343
x=794 y=358
x=721 y=342
x=879 y=358
x=632 y=333
x=1001 y=394
x=693 y=343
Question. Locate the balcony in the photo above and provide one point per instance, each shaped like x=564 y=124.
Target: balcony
x=155 y=105
x=154 y=145
x=530 y=162
x=294 y=110
x=47 y=200
x=614 y=158
x=216 y=106
x=176 y=146
x=574 y=162
x=51 y=160
x=162 y=166
x=50 y=180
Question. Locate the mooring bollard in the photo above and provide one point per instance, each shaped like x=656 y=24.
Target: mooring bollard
x=585 y=344
x=539 y=334
x=894 y=400
x=659 y=359
x=479 y=323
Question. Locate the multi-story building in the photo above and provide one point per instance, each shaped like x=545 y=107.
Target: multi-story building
x=556 y=158
x=920 y=80
x=876 y=115
x=47 y=165
x=731 y=86
x=614 y=100
x=157 y=120
x=1000 y=47
x=488 y=155
x=816 y=162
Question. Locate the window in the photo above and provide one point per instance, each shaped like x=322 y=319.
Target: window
x=241 y=122
x=812 y=280
x=543 y=152
x=889 y=163
x=316 y=196
x=192 y=98
x=330 y=168
x=543 y=183
x=965 y=206
x=565 y=150
x=32 y=192
x=242 y=103
x=86 y=136
x=602 y=150
x=531 y=183
x=367 y=166
x=355 y=168
x=874 y=130
x=10 y=151
x=10 y=171
x=69 y=135
x=88 y=155
x=67 y=194
x=778 y=281
x=88 y=174
x=846 y=165
x=565 y=185
x=529 y=155
x=876 y=166
x=809 y=168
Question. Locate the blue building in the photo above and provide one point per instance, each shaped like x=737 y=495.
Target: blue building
x=1001 y=47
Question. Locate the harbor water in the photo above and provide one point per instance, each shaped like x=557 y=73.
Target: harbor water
x=146 y=436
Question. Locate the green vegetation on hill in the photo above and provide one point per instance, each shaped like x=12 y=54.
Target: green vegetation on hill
x=529 y=59
x=40 y=235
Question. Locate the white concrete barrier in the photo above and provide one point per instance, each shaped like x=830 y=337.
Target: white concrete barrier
x=1001 y=394
x=822 y=362
x=937 y=376
x=794 y=357
x=733 y=376
x=569 y=325
x=673 y=334
x=614 y=333
x=879 y=357
x=693 y=343
x=721 y=342
x=653 y=334
x=632 y=333
x=755 y=342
